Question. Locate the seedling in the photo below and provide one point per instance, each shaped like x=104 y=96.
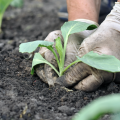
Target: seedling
x=17 y=3
x=3 y=5
x=67 y=29
x=102 y=62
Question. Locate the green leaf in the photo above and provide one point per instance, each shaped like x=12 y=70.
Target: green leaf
x=74 y=27
x=70 y=28
x=99 y=107
x=3 y=5
x=59 y=47
x=30 y=47
x=17 y=3
x=102 y=62
x=38 y=59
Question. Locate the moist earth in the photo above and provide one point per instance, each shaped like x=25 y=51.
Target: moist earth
x=26 y=97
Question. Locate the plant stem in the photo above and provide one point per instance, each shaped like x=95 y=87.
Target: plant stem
x=63 y=58
x=52 y=50
x=0 y=31
x=1 y=16
x=54 y=69
x=69 y=66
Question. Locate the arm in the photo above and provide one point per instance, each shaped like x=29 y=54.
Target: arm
x=83 y=9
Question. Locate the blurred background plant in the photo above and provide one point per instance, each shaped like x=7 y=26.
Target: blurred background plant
x=105 y=105
x=16 y=3
x=5 y=3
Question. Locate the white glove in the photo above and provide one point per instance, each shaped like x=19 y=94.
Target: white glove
x=105 y=40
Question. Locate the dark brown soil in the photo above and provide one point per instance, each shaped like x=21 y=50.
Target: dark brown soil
x=26 y=97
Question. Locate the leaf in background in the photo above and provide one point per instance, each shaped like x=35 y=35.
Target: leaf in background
x=3 y=5
x=59 y=47
x=30 y=47
x=38 y=59
x=99 y=107
x=102 y=62
x=17 y=3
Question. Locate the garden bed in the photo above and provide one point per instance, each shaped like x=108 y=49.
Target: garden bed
x=26 y=97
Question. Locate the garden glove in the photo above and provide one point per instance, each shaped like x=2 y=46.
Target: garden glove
x=105 y=40
x=44 y=71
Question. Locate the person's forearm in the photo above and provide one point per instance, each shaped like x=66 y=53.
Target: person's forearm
x=83 y=9
x=118 y=0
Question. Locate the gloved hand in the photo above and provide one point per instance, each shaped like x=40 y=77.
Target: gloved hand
x=44 y=71
x=105 y=40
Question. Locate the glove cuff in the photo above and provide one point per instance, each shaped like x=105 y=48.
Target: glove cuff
x=117 y=2
x=87 y=21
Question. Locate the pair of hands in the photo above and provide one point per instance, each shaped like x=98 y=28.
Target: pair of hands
x=104 y=40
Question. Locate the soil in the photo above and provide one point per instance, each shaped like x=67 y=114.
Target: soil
x=26 y=97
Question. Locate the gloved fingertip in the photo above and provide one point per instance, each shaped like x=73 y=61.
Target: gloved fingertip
x=50 y=82
x=61 y=81
x=50 y=86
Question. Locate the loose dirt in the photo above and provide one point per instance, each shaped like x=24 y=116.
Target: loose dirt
x=26 y=97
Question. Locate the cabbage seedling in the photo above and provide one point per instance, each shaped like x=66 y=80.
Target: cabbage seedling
x=102 y=62
x=67 y=29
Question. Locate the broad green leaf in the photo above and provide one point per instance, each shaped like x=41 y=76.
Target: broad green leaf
x=17 y=3
x=102 y=62
x=70 y=28
x=74 y=27
x=38 y=59
x=99 y=107
x=3 y=5
x=59 y=47
x=30 y=47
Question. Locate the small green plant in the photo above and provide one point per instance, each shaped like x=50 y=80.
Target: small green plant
x=67 y=29
x=102 y=62
x=104 y=105
x=3 y=5
x=17 y=3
